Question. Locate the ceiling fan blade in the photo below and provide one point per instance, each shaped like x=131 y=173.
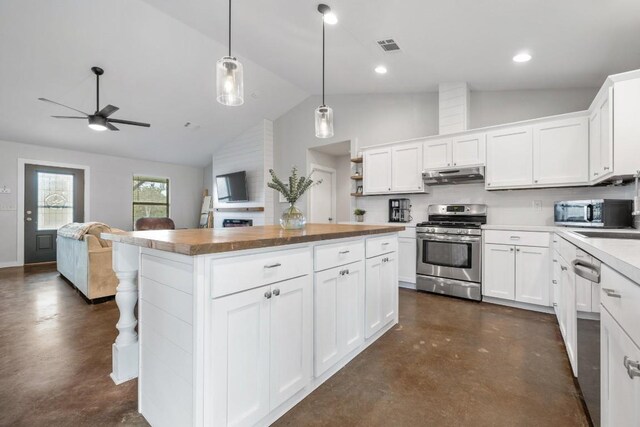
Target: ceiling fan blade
x=111 y=127
x=128 y=122
x=108 y=110
x=69 y=117
x=62 y=105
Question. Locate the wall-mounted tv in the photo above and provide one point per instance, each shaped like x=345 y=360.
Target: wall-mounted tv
x=232 y=187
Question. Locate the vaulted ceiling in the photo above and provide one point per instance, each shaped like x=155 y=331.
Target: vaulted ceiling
x=159 y=58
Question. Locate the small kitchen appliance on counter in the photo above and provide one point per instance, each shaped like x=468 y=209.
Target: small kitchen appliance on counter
x=602 y=213
x=399 y=210
x=450 y=251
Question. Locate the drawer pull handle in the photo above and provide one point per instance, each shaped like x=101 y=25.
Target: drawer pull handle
x=633 y=367
x=277 y=264
x=276 y=292
x=611 y=293
x=343 y=272
x=563 y=268
x=555 y=282
x=267 y=295
x=344 y=252
x=385 y=243
x=515 y=237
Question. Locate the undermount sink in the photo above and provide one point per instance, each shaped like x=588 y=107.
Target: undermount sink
x=609 y=235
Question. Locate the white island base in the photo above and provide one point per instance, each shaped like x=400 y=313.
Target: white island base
x=239 y=338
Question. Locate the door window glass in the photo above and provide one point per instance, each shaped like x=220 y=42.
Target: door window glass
x=55 y=200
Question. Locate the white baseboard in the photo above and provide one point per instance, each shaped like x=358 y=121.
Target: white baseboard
x=516 y=304
x=407 y=285
x=10 y=264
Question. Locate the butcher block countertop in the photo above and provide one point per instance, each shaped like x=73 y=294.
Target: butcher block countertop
x=200 y=241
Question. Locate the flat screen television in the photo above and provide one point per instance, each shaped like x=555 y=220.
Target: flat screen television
x=232 y=187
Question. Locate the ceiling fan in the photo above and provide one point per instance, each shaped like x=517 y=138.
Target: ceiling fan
x=99 y=120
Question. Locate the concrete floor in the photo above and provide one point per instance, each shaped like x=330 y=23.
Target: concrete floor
x=448 y=362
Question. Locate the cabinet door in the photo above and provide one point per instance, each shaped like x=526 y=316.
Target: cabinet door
x=437 y=154
x=291 y=339
x=620 y=392
x=339 y=314
x=510 y=158
x=469 y=150
x=555 y=282
x=389 y=286
x=605 y=109
x=568 y=313
x=561 y=152
x=532 y=275
x=381 y=288
x=406 y=167
x=594 y=146
x=240 y=364
x=407 y=259
x=499 y=271
x=377 y=171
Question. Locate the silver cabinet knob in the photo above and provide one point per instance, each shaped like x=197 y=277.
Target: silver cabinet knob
x=563 y=268
x=595 y=174
x=276 y=292
x=536 y=181
x=555 y=282
x=633 y=367
x=267 y=294
x=488 y=184
x=606 y=168
x=448 y=164
x=510 y=249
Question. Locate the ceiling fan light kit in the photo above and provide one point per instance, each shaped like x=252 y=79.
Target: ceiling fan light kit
x=323 y=114
x=229 y=77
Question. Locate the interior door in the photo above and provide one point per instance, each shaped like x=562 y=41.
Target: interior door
x=322 y=197
x=53 y=197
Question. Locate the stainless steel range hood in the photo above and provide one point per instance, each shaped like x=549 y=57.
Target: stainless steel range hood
x=454 y=176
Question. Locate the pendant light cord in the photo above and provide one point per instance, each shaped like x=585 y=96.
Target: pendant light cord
x=229 y=27
x=323 y=59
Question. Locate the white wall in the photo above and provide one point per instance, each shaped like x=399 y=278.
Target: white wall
x=111 y=180
x=251 y=151
x=379 y=118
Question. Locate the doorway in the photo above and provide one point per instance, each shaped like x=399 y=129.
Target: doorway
x=53 y=197
x=322 y=197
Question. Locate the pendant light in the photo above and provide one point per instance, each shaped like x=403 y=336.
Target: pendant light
x=324 y=114
x=229 y=87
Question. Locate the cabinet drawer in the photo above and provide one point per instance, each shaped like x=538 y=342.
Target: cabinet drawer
x=621 y=297
x=408 y=232
x=336 y=254
x=238 y=273
x=381 y=245
x=520 y=238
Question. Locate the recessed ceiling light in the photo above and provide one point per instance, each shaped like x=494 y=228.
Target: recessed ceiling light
x=381 y=69
x=330 y=18
x=522 y=57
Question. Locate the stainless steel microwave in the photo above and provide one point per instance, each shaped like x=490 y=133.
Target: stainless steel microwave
x=605 y=213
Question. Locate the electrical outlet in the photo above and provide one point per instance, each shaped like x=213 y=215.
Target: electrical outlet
x=537 y=205
x=5 y=190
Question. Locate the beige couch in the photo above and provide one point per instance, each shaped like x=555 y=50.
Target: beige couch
x=86 y=263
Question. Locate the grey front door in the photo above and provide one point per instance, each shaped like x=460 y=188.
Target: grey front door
x=53 y=197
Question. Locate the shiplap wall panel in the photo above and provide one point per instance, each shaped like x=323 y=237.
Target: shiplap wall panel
x=453 y=107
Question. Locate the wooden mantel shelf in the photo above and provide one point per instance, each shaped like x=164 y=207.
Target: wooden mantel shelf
x=239 y=209
x=356 y=177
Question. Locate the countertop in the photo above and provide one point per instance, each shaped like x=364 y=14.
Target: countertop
x=546 y=228
x=214 y=240
x=411 y=224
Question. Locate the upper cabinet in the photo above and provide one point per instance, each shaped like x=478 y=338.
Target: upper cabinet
x=458 y=151
x=510 y=158
x=394 y=169
x=561 y=152
x=601 y=137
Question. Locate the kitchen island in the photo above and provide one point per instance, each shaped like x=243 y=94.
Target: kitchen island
x=238 y=325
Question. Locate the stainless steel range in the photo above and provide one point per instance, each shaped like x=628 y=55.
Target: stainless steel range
x=449 y=251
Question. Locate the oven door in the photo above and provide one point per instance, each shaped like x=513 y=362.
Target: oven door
x=452 y=257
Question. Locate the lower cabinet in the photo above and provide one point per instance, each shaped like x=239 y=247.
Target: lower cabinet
x=407 y=253
x=567 y=315
x=517 y=273
x=339 y=313
x=619 y=374
x=263 y=350
x=381 y=292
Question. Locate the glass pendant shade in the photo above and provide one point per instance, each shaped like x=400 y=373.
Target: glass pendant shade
x=229 y=86
x=324 y=122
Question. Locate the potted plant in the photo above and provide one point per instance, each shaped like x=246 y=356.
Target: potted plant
x=292 y=218
x=359 y=213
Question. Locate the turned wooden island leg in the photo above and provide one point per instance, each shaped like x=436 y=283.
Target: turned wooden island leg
x=125 y=349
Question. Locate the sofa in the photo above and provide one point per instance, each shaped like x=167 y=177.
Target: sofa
x=85 y=261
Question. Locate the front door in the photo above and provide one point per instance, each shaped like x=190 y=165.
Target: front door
x=53 y=197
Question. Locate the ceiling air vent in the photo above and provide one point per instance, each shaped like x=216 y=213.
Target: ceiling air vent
x=389 y=45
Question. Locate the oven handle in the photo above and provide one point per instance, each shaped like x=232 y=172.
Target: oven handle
x=459 y=239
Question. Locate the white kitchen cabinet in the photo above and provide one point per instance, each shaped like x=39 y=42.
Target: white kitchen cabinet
x=499 y=271
x=620 y=381
x=601 y=137
x=381 y=292
x=264 y=350
x=509 y=158
x=568 y=316
x=437 y=154
x=561 y=152
x=555 y=281
x=406 y=168
x=407 y=253
x=377 y=171
x=339 y=313
x=532 y=275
